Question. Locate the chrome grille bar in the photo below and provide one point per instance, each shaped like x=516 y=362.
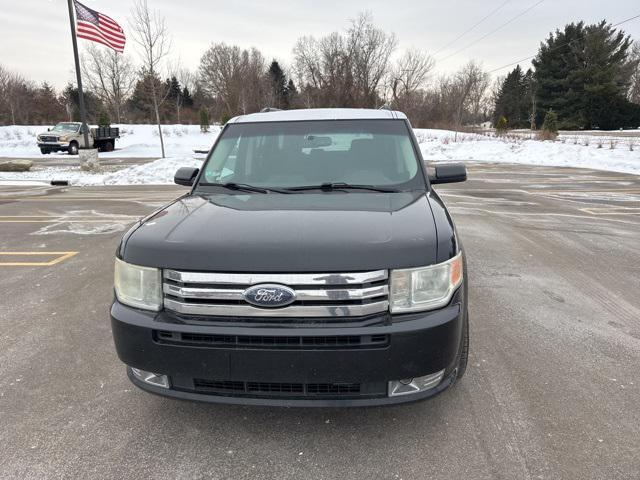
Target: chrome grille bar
x=283 y=278
x=245 y=310
x=316 y=294
x=238 y=294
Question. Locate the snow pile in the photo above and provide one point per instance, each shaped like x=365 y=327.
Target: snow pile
x=136 y=141
x=157 y=172
x=439 y=145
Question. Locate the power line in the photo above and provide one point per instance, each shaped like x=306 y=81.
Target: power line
x=472 y=27
x=494 y=31
x=558 y=46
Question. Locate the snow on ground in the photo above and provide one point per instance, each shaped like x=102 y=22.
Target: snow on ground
x=442 y=145
x=159 y=171
x=136 y=141
x=436 y=145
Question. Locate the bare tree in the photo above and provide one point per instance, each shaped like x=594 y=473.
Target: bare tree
x=344 y=70
x=16 y=93
x=369 y=49
x=151 y=35
x=307 y=65
x=235 y=77
x=4 y=91
x=111 y=76
x=409 y=75
x=469 y=88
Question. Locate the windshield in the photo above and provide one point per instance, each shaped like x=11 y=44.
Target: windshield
x=66 y=127
x=307 y=153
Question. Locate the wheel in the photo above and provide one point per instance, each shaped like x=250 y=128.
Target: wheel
x=45 y=151
x=73 y=148
x=108 y=146
x=464 y=349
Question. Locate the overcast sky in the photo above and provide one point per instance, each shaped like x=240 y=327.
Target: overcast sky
x=36 y=37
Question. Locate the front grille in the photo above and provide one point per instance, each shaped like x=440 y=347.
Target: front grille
x=275 y=389
x=316 y=295
x=273 y=342
x=48 y=139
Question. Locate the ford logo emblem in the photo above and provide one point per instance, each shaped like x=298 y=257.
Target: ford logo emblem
x=269 y=295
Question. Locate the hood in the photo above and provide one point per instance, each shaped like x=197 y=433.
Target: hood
x=324 y=232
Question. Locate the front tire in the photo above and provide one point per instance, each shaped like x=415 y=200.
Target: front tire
x=73 y=148
x=45 y=151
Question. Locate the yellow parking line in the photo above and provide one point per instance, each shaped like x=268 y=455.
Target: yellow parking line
x=60 y=257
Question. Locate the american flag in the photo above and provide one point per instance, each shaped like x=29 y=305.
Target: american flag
x=94 y=26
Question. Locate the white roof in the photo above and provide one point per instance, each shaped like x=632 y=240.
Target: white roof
x=319 y=114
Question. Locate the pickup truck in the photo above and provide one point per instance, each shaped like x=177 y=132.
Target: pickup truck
x=68 y=137
x=311 y=263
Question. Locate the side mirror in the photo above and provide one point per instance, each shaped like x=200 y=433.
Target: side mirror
x=449 y=173
x=49 y=129
x=186 y=176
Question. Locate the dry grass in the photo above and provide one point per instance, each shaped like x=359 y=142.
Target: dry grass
x=546 y=135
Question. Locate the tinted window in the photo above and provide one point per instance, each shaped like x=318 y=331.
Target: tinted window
x=289 y=154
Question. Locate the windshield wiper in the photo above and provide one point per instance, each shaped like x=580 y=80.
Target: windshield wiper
x=330 y=186
x=244 y=187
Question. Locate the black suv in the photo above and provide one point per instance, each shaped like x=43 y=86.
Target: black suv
x=310 y=264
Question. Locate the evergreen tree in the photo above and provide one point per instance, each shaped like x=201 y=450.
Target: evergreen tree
x=513 y=100
x=502 y=125
x=550 y=125
x=583 y=74
x=173 y=88
x=92 y=104
x=187 y=99
x=46 y=105
x=141 y=101
x=204 y=120
x=103 y=119
x=278 y=85
x=292 y=93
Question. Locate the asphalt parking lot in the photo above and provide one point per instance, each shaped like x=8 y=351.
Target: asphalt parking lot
x=552 y=390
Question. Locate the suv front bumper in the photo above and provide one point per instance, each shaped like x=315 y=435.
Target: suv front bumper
x=289 y=375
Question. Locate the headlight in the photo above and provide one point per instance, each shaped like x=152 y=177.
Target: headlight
x=63 y=138
x=425 y=288
x=139 y=287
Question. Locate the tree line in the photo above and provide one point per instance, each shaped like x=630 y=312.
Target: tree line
x=589 y=75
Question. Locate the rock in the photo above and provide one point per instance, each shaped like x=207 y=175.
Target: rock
x=89 y=160
x=15 y=165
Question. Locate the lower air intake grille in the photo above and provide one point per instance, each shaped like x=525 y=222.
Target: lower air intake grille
x=275 y=342
x=276 y=389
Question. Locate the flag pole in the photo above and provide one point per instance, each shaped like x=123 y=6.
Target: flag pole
x=83 y=113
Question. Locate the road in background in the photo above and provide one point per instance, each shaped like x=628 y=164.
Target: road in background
x=552 y=390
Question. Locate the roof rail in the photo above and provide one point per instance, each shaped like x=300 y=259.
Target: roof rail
x=386 y=106
x=269 y=109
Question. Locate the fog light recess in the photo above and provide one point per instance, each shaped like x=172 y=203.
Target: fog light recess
x=155 y=379
x=407 y=386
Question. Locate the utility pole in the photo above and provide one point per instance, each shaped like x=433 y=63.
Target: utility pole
x=83 y=113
